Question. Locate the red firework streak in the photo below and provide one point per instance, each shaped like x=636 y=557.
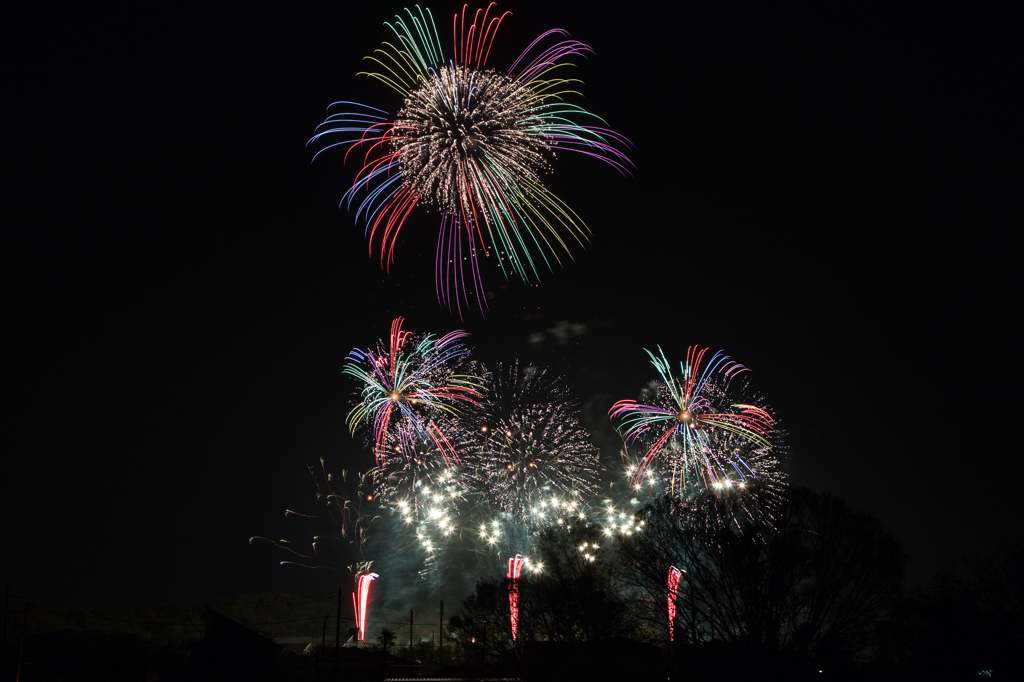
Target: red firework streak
x=359 y=598
x=515 y=565
x=674 y=574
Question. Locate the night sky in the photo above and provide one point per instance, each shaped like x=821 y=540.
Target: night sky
x=825 y=196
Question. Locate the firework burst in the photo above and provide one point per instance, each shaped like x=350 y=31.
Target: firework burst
x=687 y=426
x=429 y=504
x=406 y=384
x=472 y=143
x=525 y=442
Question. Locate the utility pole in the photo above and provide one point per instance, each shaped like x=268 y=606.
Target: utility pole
x=410 y=632
x=7 y=606
x=21 y=649
x=323 y=645
x=337 y=632
x=440 y=629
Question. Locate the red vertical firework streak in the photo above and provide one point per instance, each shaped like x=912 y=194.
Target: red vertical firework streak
x=515 y=565
x=359 y=598
x=674 y=574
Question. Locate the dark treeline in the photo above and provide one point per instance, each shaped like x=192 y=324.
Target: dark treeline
x=67 y=641
x=815 y=592
x=270 y=614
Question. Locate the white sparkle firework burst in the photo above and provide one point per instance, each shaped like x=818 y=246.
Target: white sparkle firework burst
x=749 y=487
x=525 y=443
x=499 y=534
x=429 y=514
x=473 y=143
x=429 y=501
x=463 y=115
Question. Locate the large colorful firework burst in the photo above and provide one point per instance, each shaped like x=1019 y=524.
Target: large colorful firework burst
x=686 y=426
x=406 y=384
x=472 y=143
x=524 y=442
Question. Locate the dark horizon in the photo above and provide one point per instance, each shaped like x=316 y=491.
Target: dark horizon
x=823 y=195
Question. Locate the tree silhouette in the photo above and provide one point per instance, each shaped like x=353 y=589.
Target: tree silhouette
x=386 y=638
x=573 y=598
x=968 y=619
x=820 y=584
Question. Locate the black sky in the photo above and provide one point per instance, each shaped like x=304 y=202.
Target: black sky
x=825 y=195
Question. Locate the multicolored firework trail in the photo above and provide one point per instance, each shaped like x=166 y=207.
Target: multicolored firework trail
x=472 y=143
x=690 y=410
x=359 y=601
x=525 y=442
x=674 y=574
x=515 y=566
x=407 y=389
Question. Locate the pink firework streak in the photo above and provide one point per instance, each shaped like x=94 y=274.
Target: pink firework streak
x=674 y=574
x=359 y=598
x=515 y=565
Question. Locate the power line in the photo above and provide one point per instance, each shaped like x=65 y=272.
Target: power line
x=114 y=620
x=308 y=599
x=189 y=625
